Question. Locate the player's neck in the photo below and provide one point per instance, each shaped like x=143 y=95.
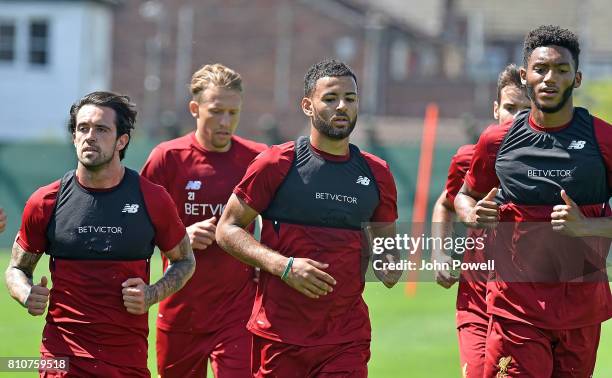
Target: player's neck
x=101 y=178
x=208 y=146
x=331 y=146
x=552 y=120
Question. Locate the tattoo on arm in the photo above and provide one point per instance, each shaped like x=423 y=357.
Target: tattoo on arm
x=182 y=265
x=19 y=273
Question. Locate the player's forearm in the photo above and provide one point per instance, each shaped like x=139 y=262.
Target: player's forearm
x=443 y=211
x=19 y=273
x=464 y=205
x=177 y=274
x=441 y=222
x=239 y=243
x=18 y=284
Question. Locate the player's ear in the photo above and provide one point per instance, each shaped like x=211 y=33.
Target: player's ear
x=122 y=141
x=194 y=108
x=496 y=110
x=306 y=105
x=523 y=74
x=578 y=79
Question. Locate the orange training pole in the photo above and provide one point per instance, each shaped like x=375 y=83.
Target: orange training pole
x=419 y=209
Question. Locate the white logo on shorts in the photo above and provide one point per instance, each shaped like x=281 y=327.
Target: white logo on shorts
x=131 y=209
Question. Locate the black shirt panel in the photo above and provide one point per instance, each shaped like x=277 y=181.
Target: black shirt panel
x=320 y=192
x=101 y=225
x=533 y=166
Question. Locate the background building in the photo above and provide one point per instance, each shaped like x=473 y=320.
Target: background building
x=51 y=52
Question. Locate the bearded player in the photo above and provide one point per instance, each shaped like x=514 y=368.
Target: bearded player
x=553 y=165
x=314 y=194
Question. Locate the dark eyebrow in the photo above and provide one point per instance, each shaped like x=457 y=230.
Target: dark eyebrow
x=544 y=63
x=96 y=125
x=336 y=94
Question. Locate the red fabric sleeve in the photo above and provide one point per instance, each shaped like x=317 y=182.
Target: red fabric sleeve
x=154 y=168
x=482 y=176
x=386 y=211
x=264 y=175
x=251 y=144
x=32 y=236
x=603 y=134
x=169 y=229
x=459 y=165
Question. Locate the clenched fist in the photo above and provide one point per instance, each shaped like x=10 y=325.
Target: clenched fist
x=37 y=300
x=202 y=234
x=134 y=296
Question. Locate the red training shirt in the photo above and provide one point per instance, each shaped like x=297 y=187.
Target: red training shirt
x=200 y=182
x=547 y=305
x=87 y=317
x=280 y=312
x=471 y=294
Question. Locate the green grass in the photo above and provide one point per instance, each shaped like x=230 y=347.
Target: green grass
x=411 y=337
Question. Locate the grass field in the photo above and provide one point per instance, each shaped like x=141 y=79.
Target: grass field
x=412 y=337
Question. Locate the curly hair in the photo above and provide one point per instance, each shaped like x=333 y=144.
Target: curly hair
x=325 y=68
x=548 y=35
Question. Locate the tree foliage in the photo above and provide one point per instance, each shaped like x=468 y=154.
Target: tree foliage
x=597 y=98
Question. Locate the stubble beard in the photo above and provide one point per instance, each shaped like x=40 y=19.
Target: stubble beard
x=326 y=128
x=567 y=93
x=99 y=163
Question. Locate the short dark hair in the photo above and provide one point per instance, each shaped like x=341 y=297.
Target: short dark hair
x=549 y=35
x=510 y=76
x=125 y=112
x=325 y=68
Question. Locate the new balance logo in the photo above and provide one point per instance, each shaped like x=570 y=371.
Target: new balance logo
x=193 y=185
x=576 y=145
x=131 y=209
x=363 y=180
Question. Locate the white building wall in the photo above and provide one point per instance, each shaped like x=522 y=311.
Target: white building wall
x=34 y=100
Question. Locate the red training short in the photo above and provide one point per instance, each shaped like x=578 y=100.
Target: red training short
x=89 y=367
x=472 y=338
x=182 y=354
x=273 y=359
x=516 y=349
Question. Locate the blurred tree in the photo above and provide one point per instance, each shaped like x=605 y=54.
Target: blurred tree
x=597 y=97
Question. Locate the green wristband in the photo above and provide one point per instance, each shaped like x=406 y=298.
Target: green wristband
x=287 y=269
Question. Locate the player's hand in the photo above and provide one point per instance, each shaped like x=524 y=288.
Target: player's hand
x=134 y=296
x=485 y=214
x=307 y=277
x=567 y=218
x=202 y=234
x=37 y=300
x=2 y=220
x=443 y=277
x=387 y=276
